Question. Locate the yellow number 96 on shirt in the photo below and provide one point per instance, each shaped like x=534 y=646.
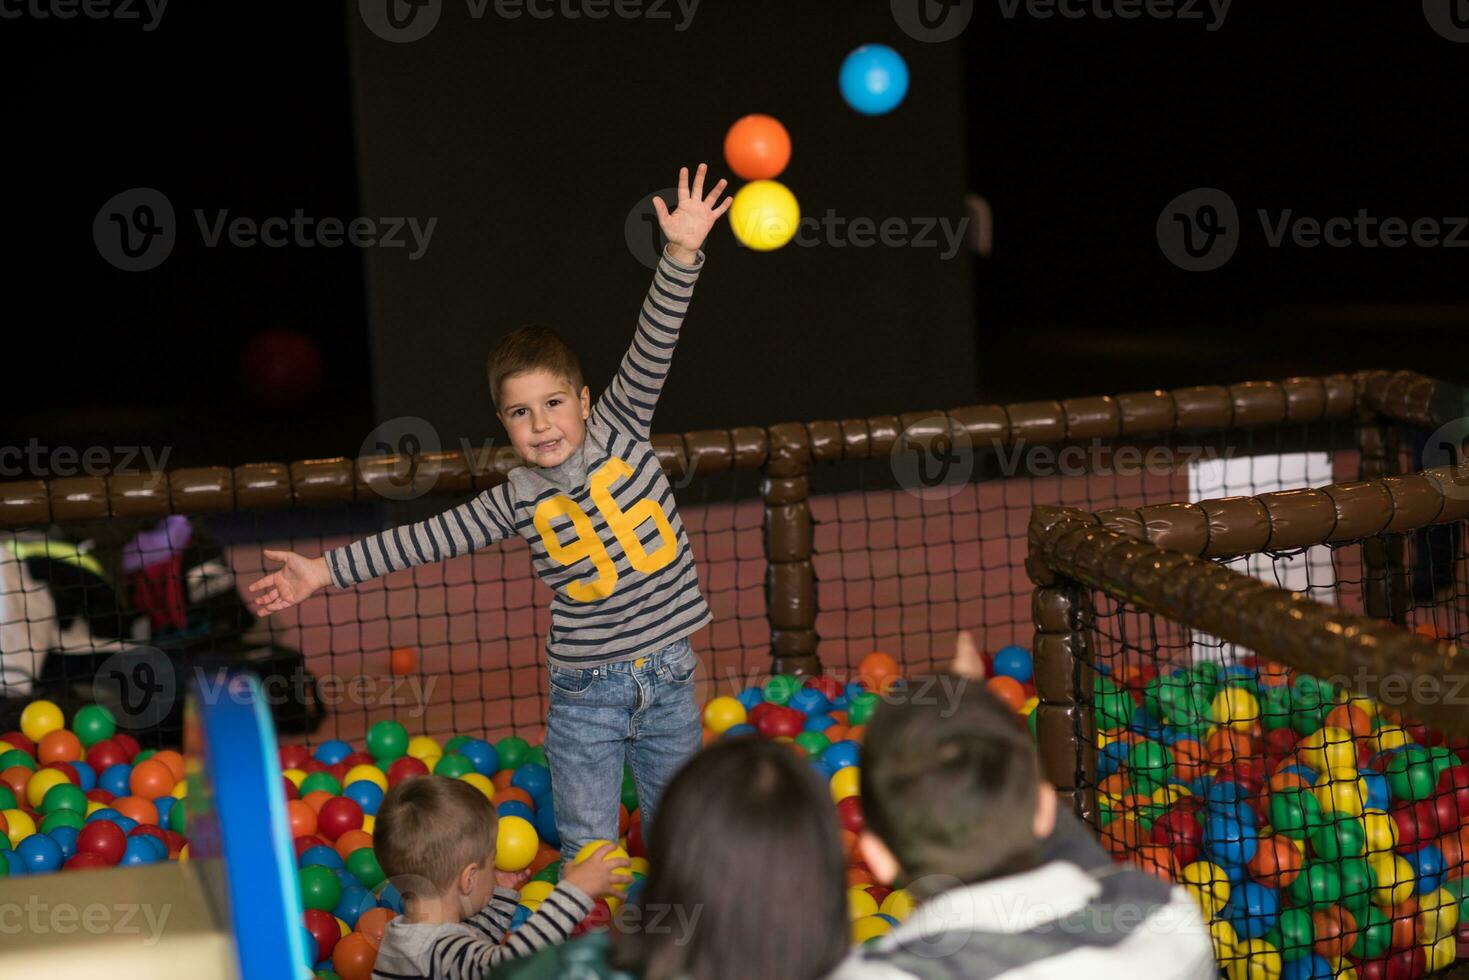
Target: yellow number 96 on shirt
x=623 y=524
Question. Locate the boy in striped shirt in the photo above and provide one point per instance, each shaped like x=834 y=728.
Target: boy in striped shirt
x=435 y=840
x=599 y=514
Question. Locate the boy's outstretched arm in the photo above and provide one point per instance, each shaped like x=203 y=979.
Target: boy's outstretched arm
x=628 y=403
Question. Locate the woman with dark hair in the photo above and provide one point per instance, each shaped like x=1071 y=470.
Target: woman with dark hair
x=746 y=880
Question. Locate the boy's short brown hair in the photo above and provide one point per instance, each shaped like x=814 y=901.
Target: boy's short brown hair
x=532 y=348
x=430 y=827
x=951 y=793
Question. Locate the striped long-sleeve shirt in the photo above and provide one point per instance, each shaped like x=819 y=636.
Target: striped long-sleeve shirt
x=467 y=950
x=603 y=529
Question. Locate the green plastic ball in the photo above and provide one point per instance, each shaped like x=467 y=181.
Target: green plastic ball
x=7 y=799
x=453 y=766
x=1112 y=706
x=1357 y=883
x=453 y=744
x=551 y=873
x=1151 y=763
x=320 y=780
x=1374 y=933
x=4 y=864
x=1295 y=813
x=537 y=754
x=1317 y=886
x=62 y=818
x=387 y=740
x=1297 y=934
x=93 y=723
x=363 y=863
x=629 y=791
x=144 y=756
x=320 y=887
x=1410 y=774
x=778 y=689
x=512 y=751
x=860 y=710
x=1342 y=836
x=1441 y=759
x=15 y=757
x=176 y=817
x=64 y=796
x=1275 y=708
x=812 y=743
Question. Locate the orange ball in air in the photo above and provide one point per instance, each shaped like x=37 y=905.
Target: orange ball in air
x=757 y=147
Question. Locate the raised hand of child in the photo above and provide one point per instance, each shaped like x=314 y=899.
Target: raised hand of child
x=294 y=583
x=598 y=877
x=689 y=224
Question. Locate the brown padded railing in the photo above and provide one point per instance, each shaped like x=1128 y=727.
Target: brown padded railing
x=1158 y=558
x=1374 y=400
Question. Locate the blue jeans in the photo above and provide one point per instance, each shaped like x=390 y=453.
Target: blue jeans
x=642 y=712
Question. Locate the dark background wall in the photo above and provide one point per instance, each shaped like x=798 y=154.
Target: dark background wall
x=530 y=142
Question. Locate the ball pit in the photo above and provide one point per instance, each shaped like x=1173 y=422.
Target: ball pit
x=1320 y=834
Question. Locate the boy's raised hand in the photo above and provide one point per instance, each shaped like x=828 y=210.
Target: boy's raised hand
x=294 y=583
x=596 y=876
x=689 y=224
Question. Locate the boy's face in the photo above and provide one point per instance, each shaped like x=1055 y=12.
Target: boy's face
x=546 y=419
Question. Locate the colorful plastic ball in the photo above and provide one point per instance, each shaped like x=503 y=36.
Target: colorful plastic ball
x=1015 y=662
x=512 y=751
x=1310 y=967
x=59 y=746
x=355 y=900
x=320 y=782
x=40 y=718
x=387 y=740
x=332 y=751
x=781 y=687
x=764 y=216
x=1394 y=879
x=873 y=79
x=151 y=779
x=1428 y=866
x=808 y=700
x=322 y=855
x=354 y=956
x=515 y=808
x=1228 y=841
x=757 y=147
x=1333 y=931
x=1342 y=836
x=366 y=794
x=1374 y=933
x=104 y=839
x=60 y=819
x=1295 y=813
x=1276 y=863
x=93 y=723
x=363 y=864
x=1252 y=909
x=139 y=850
x=481 y=754
x=114 y=779
x=516 y=845
x=844 y=783
x=1236 y=708
x=533 y=778
x=320 y=887
x=842 y=754
x=735 y=731
x=1382 y=831
x=38 y=854
x=1317 y=886
x=338 y=816
x=1410 y=774
x=41 y=783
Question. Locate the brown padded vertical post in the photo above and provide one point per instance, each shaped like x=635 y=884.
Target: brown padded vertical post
x=790 y=577
x=1066 y=736
x=1385 y=591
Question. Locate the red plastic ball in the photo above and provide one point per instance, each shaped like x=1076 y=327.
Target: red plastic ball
x=82 y=860
x=306 y=843
x=313 y=765
x=323 y=928
x=635 y=846
x=827 y=685
x=100 y=795
x=292 y=793
x=105 y=753
x=103 y=838
x=20 y=741
x=294 y=757
x=405 y=767
x=849 y=811
x=338 y=816
x=128 y=744
x=66 y=767
x=1181 y=832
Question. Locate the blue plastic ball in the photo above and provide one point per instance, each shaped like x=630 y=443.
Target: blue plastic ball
x=819 y=723
x=321 y=854
x=354 y=901
x=741 y=729
x=873 y=79
x=366 y=794
x=1014 y=661
x=840 y=755
x=86 y=776
x=853 y=691
x=115 y=778
x=125 y=823
x=347 y=878
x=521 y=914
x=106 y=813
x=389 y=897
x=750 y=697
x=139 y=851
x=1110 y=759
x=532 y=777
x=39 y=853
x=1252 y=909
x=66 y=839
x=1313 y=967
x=1227 y=840
x=165 y=805
x=482 y=754
x=330 y=752
x=545 y=821
x=810 y=702
x=1428 y=868
x=1379 y=797
x=515 y=808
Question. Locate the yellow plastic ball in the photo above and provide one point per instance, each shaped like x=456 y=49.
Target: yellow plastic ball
x=869 y=927
x=1389 y=737
x=369 y=821
x=617 y=852
x=20 y=824
x=1382 y=831
x=1029 y=705
x=1394 y=876
x=1256 y=960
x=1440 y=955
x=1235 y=707
x=180 y=789
x=481 y=783
x=42 y=781
x=342 y=927
x=536 y=891
x=294 y=775
x=1225 y=939
x=898 y=904
x=1170 y=794
x=93 y=806
x=184 y=853
x=422 y=746
x=722 y=714
x=860 y=903
x=532 y=905
x=370 y=773
x=639 y=866
x=516 y=844
x=1438 y=914
x=41 y=718
x=1208 y=884
x=1328 y=748
x=845 y=782
x=764 y=215
x=1342 y=791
